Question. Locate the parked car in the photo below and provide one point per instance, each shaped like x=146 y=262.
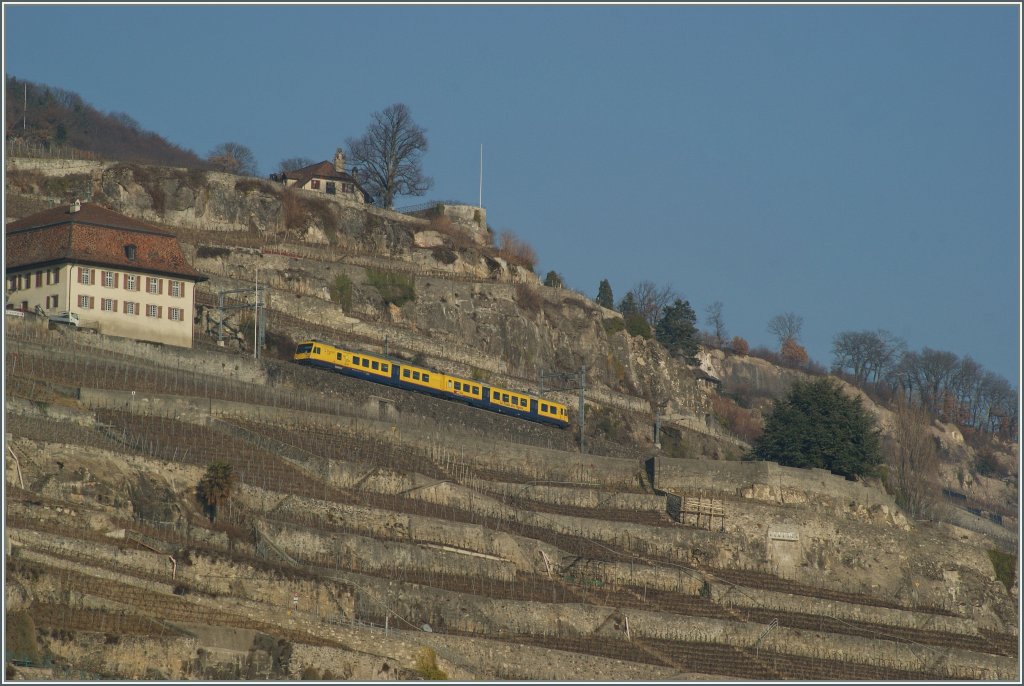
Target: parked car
x=69 y=318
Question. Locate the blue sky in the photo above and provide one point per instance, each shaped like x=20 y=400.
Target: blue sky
x=856 y=165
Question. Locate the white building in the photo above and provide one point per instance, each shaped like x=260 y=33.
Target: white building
x=120 y=276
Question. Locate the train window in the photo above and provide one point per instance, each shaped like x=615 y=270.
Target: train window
x=458 y=386
x=383 y=367
x=426 y=377
x=504 y=397
x=339 y=356
x=355 y=359
x=416 y=375
x=316 y=350
x=405 y=373
x=366 y=362
x=543 y=407
x=304 y=348
x=374 y=365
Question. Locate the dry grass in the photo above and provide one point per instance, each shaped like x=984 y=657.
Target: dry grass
x=515 y=251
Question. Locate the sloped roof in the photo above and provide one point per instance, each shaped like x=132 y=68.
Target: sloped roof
x=321 y=170
x=97 y=236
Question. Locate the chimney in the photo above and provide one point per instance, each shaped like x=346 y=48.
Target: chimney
x=339 y=161
x=76 y=206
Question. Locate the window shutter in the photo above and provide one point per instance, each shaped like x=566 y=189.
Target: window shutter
x=124 y=307
x=159 y=286
x=160 y=312
x=79 y=275
x=117 y=278
x=114 y=307
x=92 y=302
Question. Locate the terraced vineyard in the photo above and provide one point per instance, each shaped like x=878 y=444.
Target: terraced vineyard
x=342 y=544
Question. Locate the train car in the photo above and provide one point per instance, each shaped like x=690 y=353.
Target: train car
x=422 y=380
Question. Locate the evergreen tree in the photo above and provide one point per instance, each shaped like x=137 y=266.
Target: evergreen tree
x=554 y=279
x=604 y=295
x=214 y=489
x=817 y=425
x=677 y=330
x=627 y=305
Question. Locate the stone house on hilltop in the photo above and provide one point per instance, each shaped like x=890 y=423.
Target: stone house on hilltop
x=325 y=177
x=119 y=275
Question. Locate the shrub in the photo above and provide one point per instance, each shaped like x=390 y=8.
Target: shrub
x=740 y=345
x=794 y=354
x=528 y=299
x=636 y=325
x=613 y=325
x=515 y=251
x=426 y=665
x=554 y=280
x=341 y=291
x=987 y=464
x=1005 y=566
x=397 y=289
x=212 y=251
x=744 y=423
x=20 y=637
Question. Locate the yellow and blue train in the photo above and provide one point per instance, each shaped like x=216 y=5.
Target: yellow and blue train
x=415 y=378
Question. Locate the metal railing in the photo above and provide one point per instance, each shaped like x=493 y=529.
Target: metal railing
x=409 y=209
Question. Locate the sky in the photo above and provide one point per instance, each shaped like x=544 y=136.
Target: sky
x=856 y=165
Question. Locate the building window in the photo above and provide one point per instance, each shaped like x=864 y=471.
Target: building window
x=131 y=308
x=175 y=314
x=108 y=279
x=56 y=275
x=86 y=276
x=330 y=188
x=51 y=302
x=108 y=305
x=85 y=302
x=129 y=252
x=177 y=289
x=153 y=285
x=39 y=279
x=153 y=311
x=348 y=188
x=315 y=184
x=131 y=282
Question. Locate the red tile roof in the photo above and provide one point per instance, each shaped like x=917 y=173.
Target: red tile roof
x=94 y=235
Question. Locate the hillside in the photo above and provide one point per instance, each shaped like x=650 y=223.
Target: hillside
x=368 y=525
x=40 y=119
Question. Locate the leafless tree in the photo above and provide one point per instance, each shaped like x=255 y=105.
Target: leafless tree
x=233 y=158
x=716 y=321
x=388 y=156
x=651 y=301
x=786 y=327
x=869 y=355
x=293 y=163
x=913 y=460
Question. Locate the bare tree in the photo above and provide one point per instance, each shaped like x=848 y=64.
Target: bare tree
x=651 y=301
x=786 y=327
x=233 y=158
x=388 y=156
x=714 y=319
x=869 y=355
x=293 y=163
x=913 y=460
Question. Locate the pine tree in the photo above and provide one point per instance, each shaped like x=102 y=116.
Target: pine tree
x=817 y=425
x=604 y=295
x=677 y=330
